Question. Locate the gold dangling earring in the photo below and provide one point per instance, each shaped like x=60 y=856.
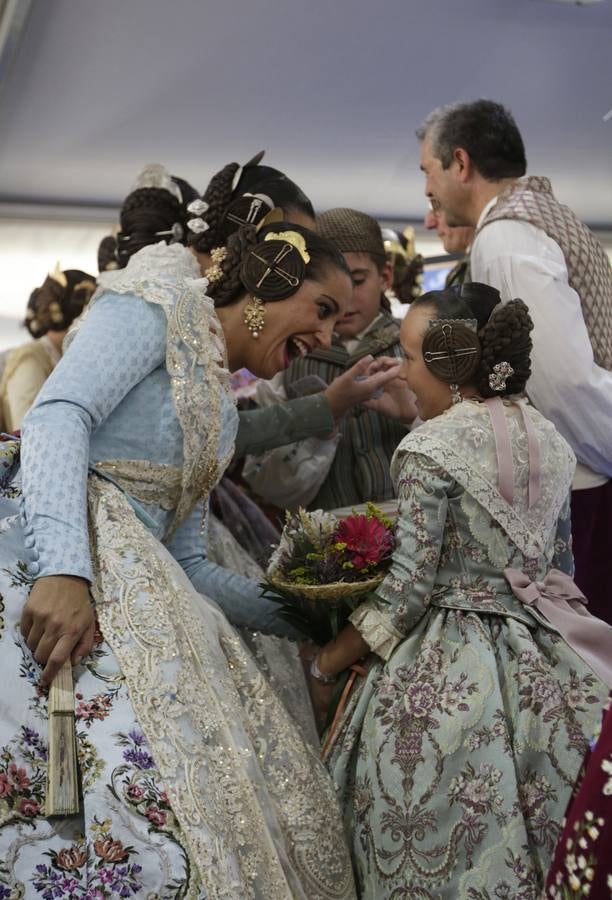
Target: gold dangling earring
x=255 y=316
x=455 y=394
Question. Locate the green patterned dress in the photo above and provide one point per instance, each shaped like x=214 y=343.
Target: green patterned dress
x=456 y=756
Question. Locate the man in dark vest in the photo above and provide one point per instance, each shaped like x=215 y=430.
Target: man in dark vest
x=352 y=466
x=529 y=245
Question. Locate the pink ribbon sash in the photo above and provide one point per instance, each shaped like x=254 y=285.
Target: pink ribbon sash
x=562 y=604
x=503 y=447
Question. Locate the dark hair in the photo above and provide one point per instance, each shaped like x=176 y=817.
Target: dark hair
x=255 y=179
x=107 y=253
x=228 y=289
x=54 y=306
x=152 y=214
x=485 y=129
x=504 y=331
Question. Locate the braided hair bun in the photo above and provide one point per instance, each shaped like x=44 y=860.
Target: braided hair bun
x=506 y=337
x=229 y=287
x=107 y=254
x=250 y=254
x=58 y=301
x=235 y=204
x=149 y=215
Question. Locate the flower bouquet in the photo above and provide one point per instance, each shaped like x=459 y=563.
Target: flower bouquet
x=324 y=567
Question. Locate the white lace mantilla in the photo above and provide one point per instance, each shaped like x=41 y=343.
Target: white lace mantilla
x=463 y=442
x=196 y=359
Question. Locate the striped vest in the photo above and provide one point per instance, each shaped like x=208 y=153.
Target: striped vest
x=360 y=470
x=589 y=271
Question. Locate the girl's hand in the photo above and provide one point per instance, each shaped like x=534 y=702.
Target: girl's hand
x=58 y=622
x=320 y=697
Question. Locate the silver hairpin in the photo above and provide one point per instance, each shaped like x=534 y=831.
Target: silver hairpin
x=198 y=226
x=197 y=207
x=176 y=232
x=498 y=377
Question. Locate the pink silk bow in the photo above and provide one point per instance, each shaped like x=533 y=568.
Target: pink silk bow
x=561 y=602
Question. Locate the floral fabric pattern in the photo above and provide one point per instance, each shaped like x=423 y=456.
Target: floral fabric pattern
x=456 y=755
x=199 y=814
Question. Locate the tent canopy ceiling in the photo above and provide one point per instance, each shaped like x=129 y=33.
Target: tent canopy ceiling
x=332 y=90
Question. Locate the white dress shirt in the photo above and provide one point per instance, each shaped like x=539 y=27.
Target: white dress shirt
x=566 y=385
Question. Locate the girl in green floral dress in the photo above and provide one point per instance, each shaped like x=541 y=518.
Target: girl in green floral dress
x=456 y=756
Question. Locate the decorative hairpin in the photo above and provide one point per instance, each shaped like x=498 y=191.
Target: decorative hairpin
x=215 y=272
x=274 y=269
x=248 y=209
x=176 y=232
x=58 y=275
x=198 y=207
x=273 y=266
x=252 y=162
x=293 y=238
x=198 y=225
x=451 y=349
x=500 y=374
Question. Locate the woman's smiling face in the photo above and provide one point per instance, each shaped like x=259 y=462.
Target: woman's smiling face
x=300 y=324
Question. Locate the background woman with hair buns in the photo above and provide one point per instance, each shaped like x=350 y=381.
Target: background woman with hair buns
x=456 y=758
x=50 y=312
x=196 y=781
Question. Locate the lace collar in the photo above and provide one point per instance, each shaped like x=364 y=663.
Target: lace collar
x=462 y=441
x=196 y=358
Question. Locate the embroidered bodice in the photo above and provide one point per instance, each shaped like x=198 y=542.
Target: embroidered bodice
x=143 y=386
x=457 y=532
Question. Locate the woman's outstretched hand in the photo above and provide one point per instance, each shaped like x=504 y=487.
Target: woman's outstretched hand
x=58 y=622
x=397 y=401
x=359 y=383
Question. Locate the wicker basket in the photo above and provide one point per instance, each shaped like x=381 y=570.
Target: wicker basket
x=330 y=593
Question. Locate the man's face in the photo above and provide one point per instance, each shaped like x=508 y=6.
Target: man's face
x=457 y=239
x=443 y=186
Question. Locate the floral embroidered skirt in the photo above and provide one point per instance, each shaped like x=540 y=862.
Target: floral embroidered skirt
x=455 y=761
x=195 y=781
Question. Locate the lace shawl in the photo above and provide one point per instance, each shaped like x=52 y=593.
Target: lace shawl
x=463 y=442
x=196 y=359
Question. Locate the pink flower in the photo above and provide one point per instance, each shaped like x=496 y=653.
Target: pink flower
x=18 y=776
x=5 y=785
x=135 y=792
x=85 y=709
x=28 y=806
x=366 y=539
x=156 y=815
x=163 y=797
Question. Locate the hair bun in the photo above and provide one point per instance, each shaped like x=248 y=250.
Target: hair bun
x=273 y=270
x=249 y=209
x=451 y=350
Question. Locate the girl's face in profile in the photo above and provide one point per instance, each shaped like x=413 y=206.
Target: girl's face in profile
x=433 y=396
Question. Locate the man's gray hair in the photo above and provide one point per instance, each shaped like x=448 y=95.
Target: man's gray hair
x=485 y=129
x=433 y=128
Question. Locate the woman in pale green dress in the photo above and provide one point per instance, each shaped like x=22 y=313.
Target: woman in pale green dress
x=455 y=758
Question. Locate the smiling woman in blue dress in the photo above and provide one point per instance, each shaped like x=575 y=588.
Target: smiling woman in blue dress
x=196 y=782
